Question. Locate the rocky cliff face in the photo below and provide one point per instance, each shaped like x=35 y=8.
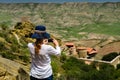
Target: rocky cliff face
x=10 y=70
x=16 y=66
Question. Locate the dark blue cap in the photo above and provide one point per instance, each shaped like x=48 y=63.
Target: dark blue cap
x=40 y=28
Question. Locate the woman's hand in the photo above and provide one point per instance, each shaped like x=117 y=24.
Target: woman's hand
x=55 y=42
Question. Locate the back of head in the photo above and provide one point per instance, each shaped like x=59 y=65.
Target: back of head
x=40 y=34
x=37 y=45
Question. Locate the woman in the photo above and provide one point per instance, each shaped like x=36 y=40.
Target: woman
x=40 y=53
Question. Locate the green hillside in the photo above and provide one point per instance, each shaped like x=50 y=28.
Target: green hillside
x=70 y=19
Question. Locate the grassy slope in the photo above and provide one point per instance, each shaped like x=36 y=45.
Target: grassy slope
x=104 y=28
x=111 y=29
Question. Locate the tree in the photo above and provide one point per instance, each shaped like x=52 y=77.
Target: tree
x=110 y=56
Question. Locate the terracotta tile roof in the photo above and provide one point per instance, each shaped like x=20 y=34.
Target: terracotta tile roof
x=69 y=44
x=91 y=51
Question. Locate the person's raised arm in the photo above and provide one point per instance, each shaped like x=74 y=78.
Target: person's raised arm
x=56 y=50
x=55 y=42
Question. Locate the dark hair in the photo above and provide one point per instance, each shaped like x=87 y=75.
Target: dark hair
x=38 y=44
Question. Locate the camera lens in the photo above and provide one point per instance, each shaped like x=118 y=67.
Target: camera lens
x=50 y=40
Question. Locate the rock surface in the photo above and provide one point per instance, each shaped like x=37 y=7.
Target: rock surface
x=11 y=70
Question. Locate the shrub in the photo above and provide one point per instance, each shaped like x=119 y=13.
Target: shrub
x=116 y=75
x=2 y=47
x=118 y=66
x=72 y=67
x=24 y=58
x=63 y=57
x=107 y=71
x=110 y=56
x=8 y=55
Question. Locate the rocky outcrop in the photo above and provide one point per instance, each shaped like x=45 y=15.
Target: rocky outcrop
x=22 y=31
x=10 y=70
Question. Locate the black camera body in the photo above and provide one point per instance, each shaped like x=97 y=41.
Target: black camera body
x=50 y=40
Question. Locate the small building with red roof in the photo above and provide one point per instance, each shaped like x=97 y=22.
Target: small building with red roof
x=69 y=44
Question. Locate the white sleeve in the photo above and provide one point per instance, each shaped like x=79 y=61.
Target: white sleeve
x=31 y=48
x=54 y=51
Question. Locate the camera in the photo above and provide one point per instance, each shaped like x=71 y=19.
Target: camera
x=50 y=40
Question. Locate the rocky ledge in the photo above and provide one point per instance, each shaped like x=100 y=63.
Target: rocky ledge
x=11 y=70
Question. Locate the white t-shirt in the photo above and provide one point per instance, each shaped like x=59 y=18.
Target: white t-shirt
x=41 y=63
